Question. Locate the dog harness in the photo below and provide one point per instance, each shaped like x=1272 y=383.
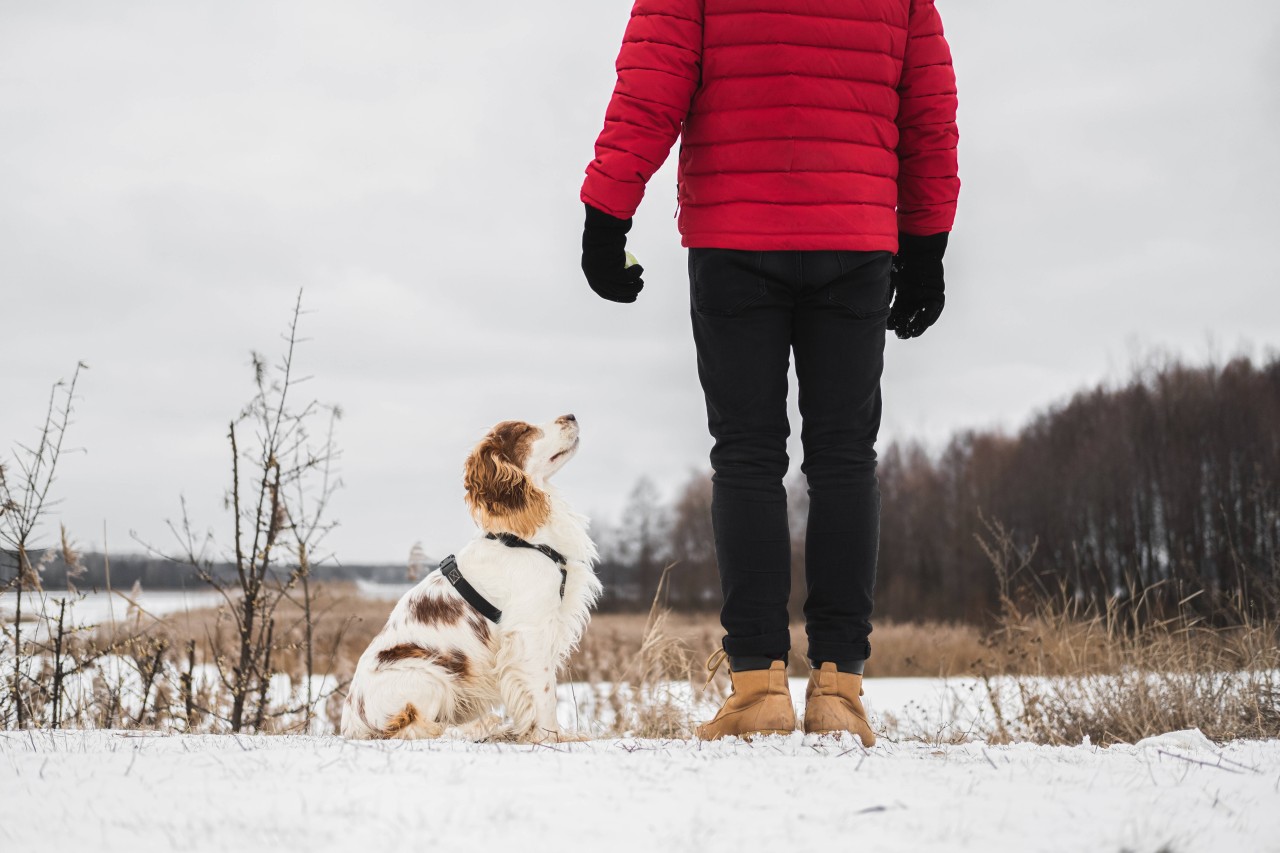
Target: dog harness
x=449 y=568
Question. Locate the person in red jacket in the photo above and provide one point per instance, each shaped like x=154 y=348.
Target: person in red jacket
x=817 y=187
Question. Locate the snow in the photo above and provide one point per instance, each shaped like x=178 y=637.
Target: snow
x=139 y=792
x=1187 y=740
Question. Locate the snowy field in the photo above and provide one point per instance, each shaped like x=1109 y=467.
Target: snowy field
x=136 y=792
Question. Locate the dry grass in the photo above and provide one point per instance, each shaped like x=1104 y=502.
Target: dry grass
x=911 y=649
x=1121 y=671
x=925 y=649
x=613 y=640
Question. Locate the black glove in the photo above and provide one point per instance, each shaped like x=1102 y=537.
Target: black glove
x=604 y=257
x=917 y=281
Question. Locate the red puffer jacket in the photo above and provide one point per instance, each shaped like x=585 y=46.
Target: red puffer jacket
x=806 y=124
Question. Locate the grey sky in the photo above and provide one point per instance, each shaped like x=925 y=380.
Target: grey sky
x=171 y=174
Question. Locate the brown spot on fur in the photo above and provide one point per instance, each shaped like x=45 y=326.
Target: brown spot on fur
x=454 y=662
x=401 y=721
x=438 y=609
x=500 y=494
x=479 y=626
x=405 y=651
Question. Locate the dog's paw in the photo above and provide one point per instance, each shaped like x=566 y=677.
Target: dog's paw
x=552 y=736
x=487 y=728
x=574 y=737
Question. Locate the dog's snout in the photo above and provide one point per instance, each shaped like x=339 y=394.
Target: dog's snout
x=566 y=419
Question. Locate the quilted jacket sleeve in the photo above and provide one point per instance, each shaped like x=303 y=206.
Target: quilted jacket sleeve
x=928 y=185
x=659 y=69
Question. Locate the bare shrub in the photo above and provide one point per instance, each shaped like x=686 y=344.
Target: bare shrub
x=24 y=500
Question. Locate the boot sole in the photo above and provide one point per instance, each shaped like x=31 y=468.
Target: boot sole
x=749 y=735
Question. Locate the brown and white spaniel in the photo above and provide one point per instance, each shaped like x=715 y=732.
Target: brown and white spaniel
x=440 y=667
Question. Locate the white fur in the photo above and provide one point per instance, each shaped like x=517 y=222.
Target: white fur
x=516 y=667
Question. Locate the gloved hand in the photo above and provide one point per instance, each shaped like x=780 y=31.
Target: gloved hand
x=604 y=258
x=916 y=281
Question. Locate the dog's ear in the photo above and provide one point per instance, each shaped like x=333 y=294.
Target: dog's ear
x=500 y=494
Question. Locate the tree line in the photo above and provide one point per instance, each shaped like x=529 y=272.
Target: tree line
x=1163 y=488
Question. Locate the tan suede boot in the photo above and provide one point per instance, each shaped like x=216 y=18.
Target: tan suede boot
x=759 y=705
x=832 y=705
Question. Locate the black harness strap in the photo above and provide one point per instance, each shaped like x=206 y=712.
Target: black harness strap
x=513 y=541
x=449 y=568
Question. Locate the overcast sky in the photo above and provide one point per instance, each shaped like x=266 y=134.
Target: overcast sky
x=171 y=174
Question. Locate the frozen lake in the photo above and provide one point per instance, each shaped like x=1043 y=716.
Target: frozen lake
x=96 y=608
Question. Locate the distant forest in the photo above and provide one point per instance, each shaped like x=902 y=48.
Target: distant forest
x=1167 y=485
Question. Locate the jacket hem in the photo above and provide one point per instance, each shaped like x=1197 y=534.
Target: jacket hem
x=791 y=242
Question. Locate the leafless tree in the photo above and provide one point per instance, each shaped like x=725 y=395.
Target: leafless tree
x=694 y=582
x=643 y=536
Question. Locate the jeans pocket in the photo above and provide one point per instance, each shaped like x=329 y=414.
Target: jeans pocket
x=863 y=286
x=722 y=282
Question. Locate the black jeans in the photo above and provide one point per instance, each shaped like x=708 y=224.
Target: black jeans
x=750 y=311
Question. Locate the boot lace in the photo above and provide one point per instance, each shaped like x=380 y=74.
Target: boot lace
x=717 y=657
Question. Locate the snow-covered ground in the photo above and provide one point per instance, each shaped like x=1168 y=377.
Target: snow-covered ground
x=137 y=792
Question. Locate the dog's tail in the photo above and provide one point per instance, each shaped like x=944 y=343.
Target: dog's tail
x=408 y=724
x=402 y=703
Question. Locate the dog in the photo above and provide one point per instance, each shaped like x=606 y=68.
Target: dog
x=492 y=626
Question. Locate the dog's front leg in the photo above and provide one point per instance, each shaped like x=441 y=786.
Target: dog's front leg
x=527 y=684
x=530 y=699
x=545 y=699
